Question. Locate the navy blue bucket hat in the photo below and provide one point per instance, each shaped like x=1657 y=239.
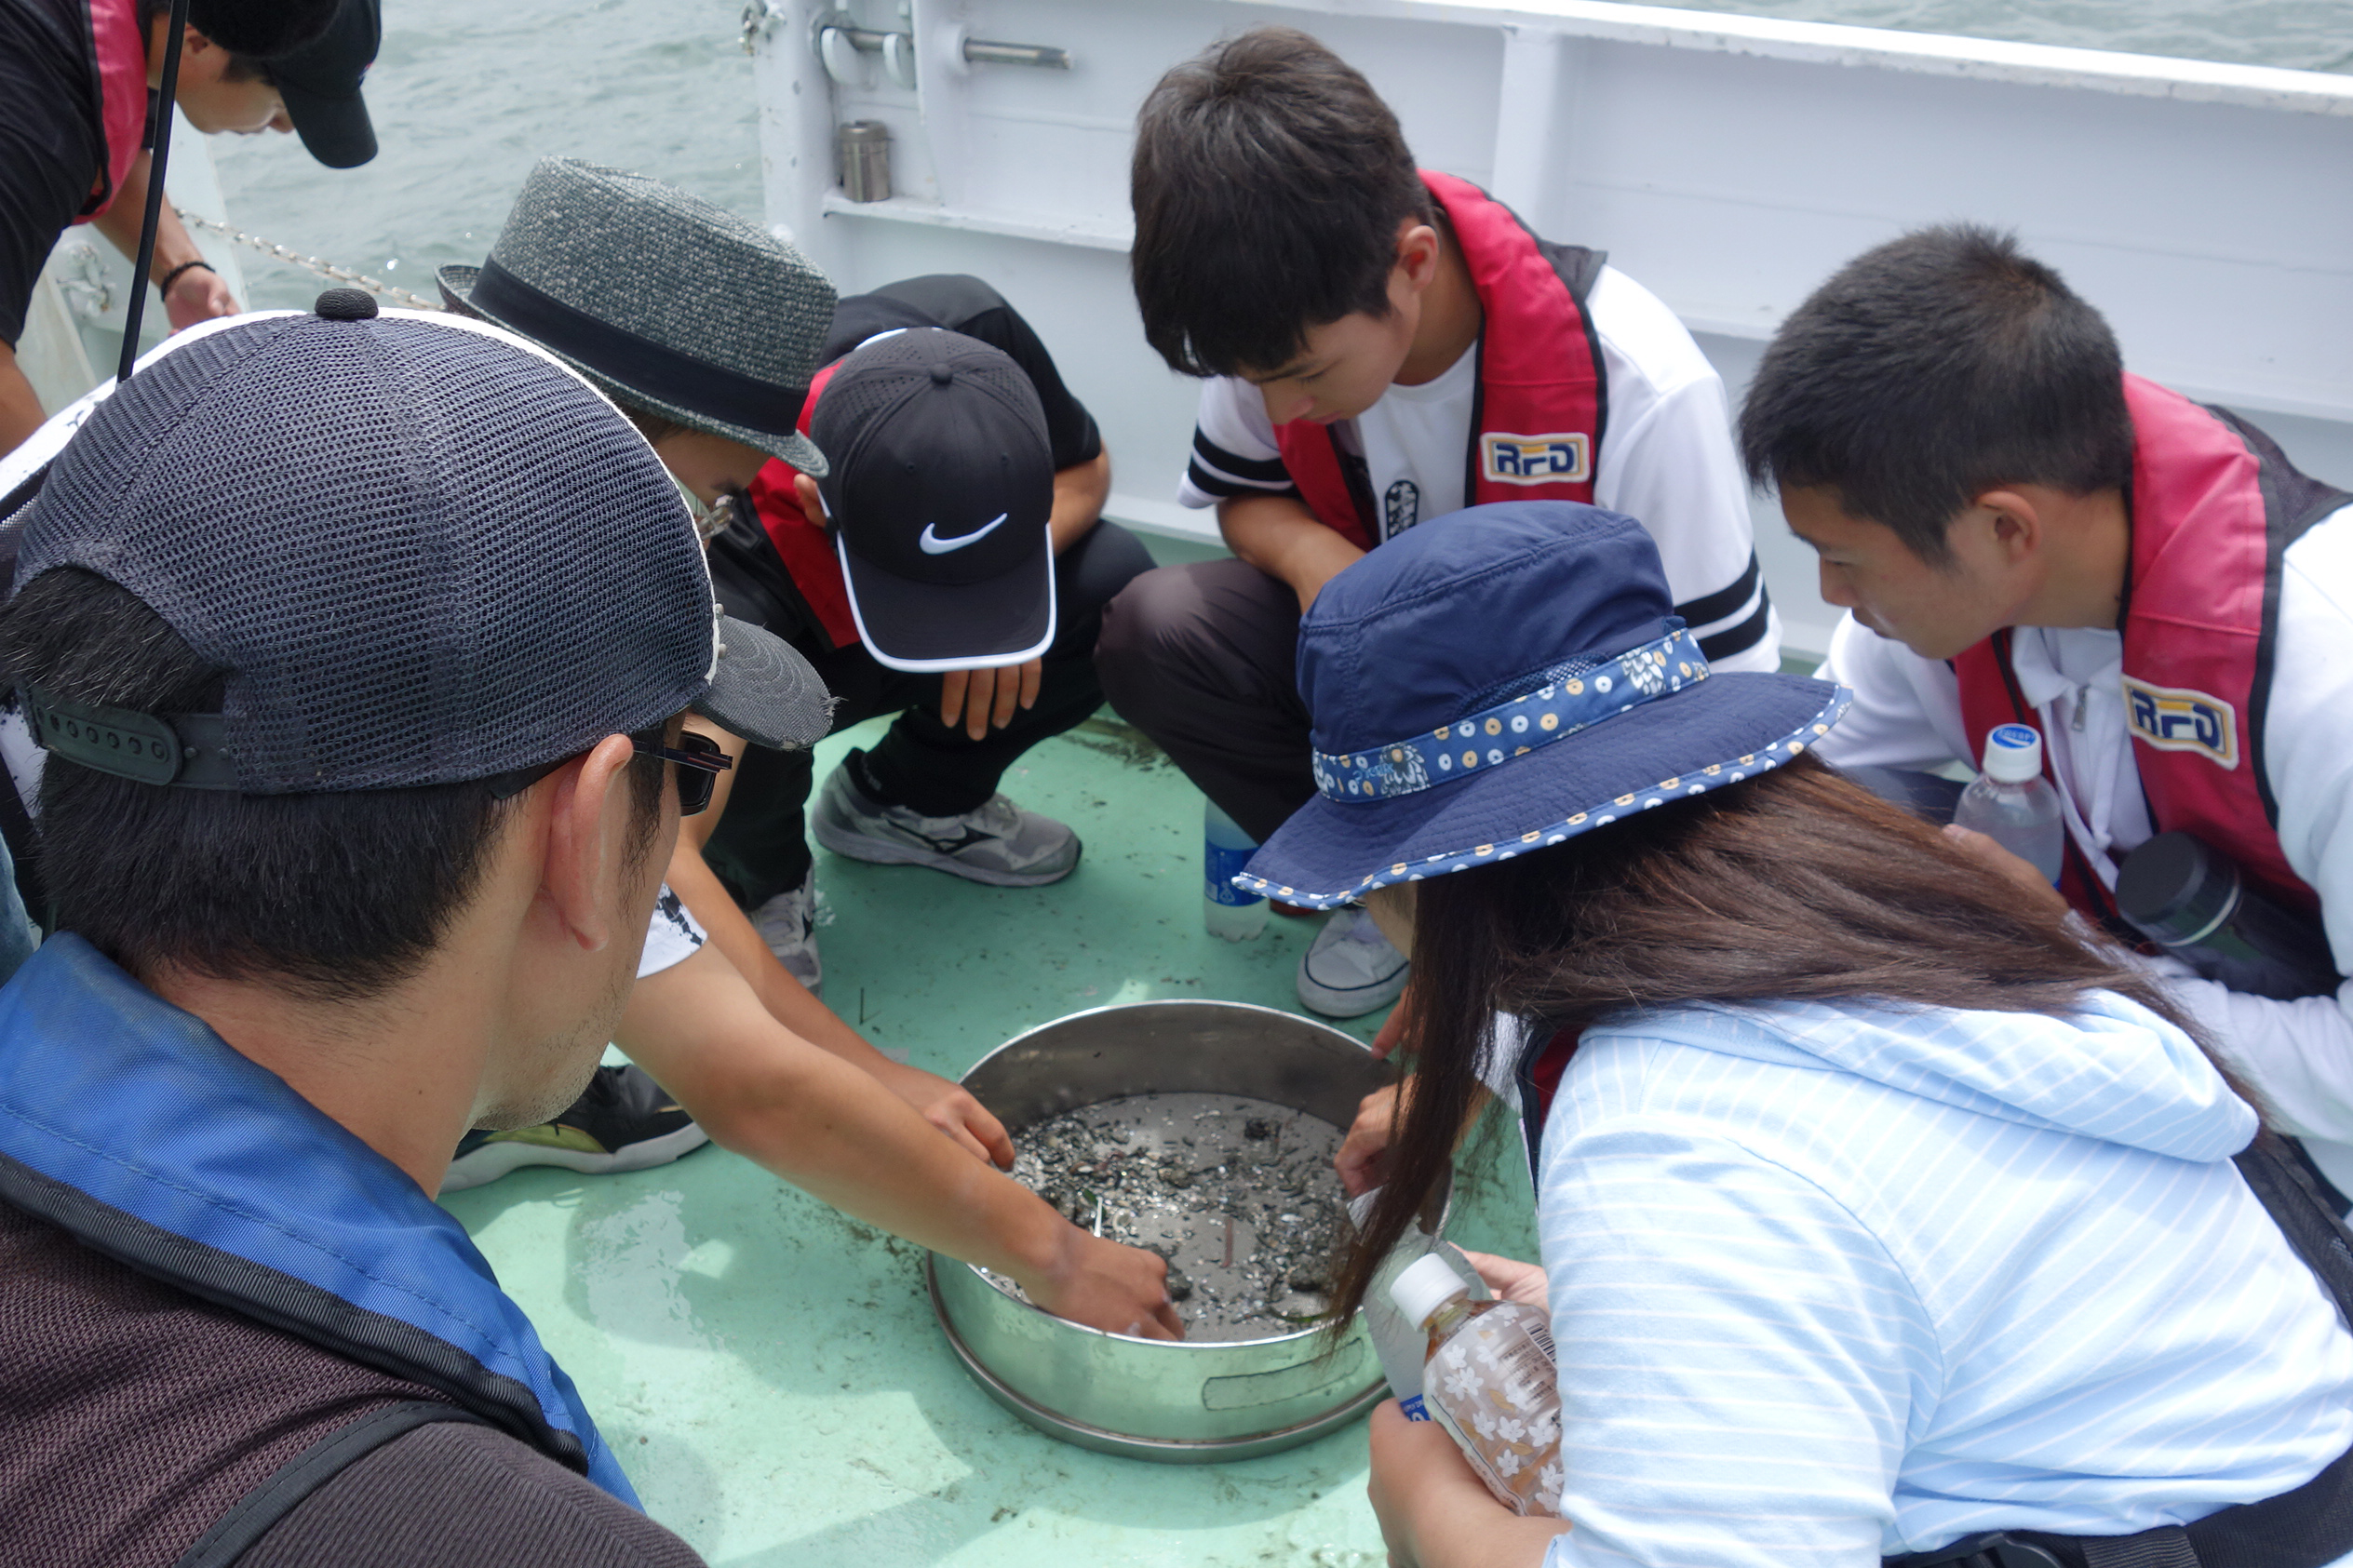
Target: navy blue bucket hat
x=1503 y=678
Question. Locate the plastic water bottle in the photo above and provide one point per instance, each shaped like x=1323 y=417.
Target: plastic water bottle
x=2011 y=802
x=1225 y=850
x=1491 y=1381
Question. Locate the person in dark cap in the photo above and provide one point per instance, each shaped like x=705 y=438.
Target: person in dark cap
x=729 y=349
x=75 y=80
x=708 y=330
x=256 y=622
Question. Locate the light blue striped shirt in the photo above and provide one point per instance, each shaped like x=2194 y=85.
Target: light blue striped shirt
x=1834 y=1281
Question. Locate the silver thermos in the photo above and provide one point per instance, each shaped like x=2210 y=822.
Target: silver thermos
x=865 y=160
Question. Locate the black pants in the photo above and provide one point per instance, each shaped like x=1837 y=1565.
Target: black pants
x=761 y=847
x=1200 y=658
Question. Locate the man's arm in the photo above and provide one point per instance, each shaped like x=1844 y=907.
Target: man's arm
x=1079 y=494
x=198 y=294
x=831 y=1131
x=21 y=412
x=1281 y=537
x=944 y=1105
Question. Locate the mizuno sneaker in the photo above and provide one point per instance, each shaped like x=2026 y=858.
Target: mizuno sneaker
x=789 y=924
x=1351 y=969
x=623 y=1122
x=997 y=842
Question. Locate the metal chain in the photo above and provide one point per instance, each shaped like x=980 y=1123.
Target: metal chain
x=324 y=269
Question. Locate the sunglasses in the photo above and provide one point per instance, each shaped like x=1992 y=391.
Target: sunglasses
x=700 y=760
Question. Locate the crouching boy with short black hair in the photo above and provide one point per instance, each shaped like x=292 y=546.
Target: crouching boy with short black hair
x=1380 y=344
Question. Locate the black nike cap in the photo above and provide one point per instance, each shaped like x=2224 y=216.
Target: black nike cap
x=939 y=494
x=319 y=85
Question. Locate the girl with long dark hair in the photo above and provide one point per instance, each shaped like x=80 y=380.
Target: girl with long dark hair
x=1883 y=1214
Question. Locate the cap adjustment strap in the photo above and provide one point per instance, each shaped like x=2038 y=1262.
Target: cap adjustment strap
x=1560 y=707
x=190 y=749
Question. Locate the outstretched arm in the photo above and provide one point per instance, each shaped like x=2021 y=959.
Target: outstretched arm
x=830 y=1129
x=942 y=1104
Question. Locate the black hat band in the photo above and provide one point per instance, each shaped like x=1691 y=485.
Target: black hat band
x=639 y=364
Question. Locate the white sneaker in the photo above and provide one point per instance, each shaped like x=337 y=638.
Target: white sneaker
x=1351 y=969
x=997 y=842
x=789 y=924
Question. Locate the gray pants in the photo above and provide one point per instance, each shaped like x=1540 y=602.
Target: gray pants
x=1200 y=658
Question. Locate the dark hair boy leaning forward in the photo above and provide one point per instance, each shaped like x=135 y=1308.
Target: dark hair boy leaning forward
x=2021 y=532
x=309 y=589
x=74 y=78
x=1380 y=344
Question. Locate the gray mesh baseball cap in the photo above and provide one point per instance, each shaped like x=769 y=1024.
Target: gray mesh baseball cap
x=662 y=299
x=423 y=551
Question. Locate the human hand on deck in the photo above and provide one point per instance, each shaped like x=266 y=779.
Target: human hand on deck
x=1434 y=1511
x=1363 y=1161
x=951 y=1108
x=1106 y=1286
x=198 y=295
x=1513 y=1281
x=985 y=699
x=1989 y=854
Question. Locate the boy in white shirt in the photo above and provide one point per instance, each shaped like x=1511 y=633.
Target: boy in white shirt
x=1380 y=345
x=2022 y=533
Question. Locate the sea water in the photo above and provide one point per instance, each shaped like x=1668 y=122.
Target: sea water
x=467 y=96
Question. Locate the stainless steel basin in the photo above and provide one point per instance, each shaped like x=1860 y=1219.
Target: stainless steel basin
x=1181 y=1403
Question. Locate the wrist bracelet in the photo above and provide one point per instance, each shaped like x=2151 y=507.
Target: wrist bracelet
x=164 y=285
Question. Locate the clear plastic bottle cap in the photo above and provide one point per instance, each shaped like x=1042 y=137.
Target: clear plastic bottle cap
x=1426 y=1285
x=2014 y=753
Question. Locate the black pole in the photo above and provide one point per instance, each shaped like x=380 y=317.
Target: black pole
x=137 y=305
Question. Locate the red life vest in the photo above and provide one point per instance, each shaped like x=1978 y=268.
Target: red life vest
x=118 y=55
x=804 y=547
x=1537 y=419
x=2214 y=503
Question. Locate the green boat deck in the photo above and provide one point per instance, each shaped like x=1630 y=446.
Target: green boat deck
x=768 y=1370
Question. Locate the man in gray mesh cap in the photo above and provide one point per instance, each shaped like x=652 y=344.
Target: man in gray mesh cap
x=353 y=815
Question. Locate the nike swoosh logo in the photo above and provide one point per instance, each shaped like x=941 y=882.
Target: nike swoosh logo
x=935 y=546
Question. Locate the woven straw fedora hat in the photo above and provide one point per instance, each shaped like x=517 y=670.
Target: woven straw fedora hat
x=661 y=298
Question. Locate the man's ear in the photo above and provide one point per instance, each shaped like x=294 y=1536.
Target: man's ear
x=2014 y=524
x=813 y=502
x=1417 y=251
x=589 y=809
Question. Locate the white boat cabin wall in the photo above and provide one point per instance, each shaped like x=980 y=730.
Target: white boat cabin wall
x=1727 y=163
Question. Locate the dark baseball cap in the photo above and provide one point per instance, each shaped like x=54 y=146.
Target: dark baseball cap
x=421 y=550
x=940 y=489
x=319 y=84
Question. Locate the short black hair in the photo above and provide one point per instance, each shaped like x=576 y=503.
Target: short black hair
x=337 y=896
x=1932 y=369
x=1268 y=184
x=253 y=31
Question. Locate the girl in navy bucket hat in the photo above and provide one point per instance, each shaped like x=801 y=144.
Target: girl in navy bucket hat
x=1884 y=1216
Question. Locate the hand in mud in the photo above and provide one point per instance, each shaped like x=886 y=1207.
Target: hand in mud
x=1363 y=1161
x=1989 y=854
x=951 y=1108
x=1513 y=1281
x=1103 y=1285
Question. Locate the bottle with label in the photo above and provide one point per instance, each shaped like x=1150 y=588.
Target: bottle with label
x=1490 y=1380
x=1225 y=850
x=2012 y=804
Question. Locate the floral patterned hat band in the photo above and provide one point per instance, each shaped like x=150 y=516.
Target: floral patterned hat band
x=1573 y=697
